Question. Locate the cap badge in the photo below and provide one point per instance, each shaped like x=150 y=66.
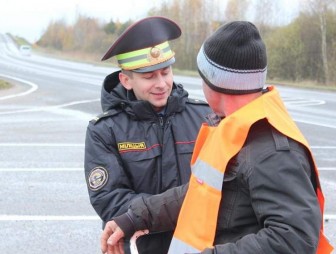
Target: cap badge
x=155 y=53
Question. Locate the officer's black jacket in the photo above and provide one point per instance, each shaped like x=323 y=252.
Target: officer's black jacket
x=132 y=152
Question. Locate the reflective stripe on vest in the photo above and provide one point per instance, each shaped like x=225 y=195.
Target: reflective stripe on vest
x=205 y=173
x=178 y=246
x=214 y=147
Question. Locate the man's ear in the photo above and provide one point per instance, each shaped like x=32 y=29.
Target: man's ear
x=125 y=81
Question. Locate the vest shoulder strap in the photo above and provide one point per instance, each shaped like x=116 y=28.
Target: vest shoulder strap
x=281 y=141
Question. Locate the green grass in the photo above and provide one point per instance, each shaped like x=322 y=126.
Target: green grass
x=19 y=40
x=5 y=85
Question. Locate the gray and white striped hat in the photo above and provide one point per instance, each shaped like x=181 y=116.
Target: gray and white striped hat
x=233 y=59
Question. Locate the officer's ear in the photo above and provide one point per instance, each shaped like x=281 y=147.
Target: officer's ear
x=125 y=78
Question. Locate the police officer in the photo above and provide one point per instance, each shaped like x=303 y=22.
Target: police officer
x=142 y=144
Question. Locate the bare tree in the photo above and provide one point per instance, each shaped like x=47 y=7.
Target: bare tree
x=236 y=9
x=320 y=8
x=264 y=13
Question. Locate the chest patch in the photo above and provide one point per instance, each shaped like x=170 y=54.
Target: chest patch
x=98 y=178
x=126 y=146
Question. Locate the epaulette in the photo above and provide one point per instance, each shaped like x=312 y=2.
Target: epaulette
x=105 y=114
x=197 y=101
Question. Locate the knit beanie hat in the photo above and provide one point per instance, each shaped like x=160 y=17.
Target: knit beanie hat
x=233 y=59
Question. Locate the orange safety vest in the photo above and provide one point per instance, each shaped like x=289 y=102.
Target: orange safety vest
x=215 y=146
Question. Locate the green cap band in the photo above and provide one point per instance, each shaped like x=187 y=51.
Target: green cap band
x=145 y=57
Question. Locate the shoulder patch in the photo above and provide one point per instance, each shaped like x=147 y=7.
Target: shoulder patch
x=105 y=114
x=97 y=178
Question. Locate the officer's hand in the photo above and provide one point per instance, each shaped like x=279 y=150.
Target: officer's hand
x=111 y=241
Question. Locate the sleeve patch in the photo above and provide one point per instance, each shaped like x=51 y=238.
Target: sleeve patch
x=97 y=178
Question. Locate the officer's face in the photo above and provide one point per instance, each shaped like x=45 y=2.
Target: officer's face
x=154 y=87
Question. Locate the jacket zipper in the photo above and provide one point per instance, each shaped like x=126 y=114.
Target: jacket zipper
x=161 y=124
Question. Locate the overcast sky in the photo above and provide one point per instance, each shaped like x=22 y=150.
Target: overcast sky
x=30 y=18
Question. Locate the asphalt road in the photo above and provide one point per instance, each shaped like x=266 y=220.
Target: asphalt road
x=44 y=206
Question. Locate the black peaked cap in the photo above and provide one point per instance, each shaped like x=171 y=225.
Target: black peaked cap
x=145 y=33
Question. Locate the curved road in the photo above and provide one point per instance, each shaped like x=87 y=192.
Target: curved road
x=44 y=206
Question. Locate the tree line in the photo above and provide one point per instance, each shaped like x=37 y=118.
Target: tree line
x=300 y=50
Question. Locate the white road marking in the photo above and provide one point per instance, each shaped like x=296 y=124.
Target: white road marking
x=57 y=109
x=40 y=169
x=329 y=216
x=326 y=168
x=323 y=147
x=295 y=102
x=40 y=145
x=315 y=123
x=47 y=218
x=33 y=88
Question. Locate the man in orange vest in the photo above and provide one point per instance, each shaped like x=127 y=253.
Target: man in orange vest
x=254 y=186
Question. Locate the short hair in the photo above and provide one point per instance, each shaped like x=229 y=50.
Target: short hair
x=127 y=73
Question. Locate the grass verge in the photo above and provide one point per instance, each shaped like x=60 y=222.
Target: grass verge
x=4 y=84
x=303 y=84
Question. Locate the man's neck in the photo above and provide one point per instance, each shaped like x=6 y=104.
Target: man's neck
x=234 y=102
